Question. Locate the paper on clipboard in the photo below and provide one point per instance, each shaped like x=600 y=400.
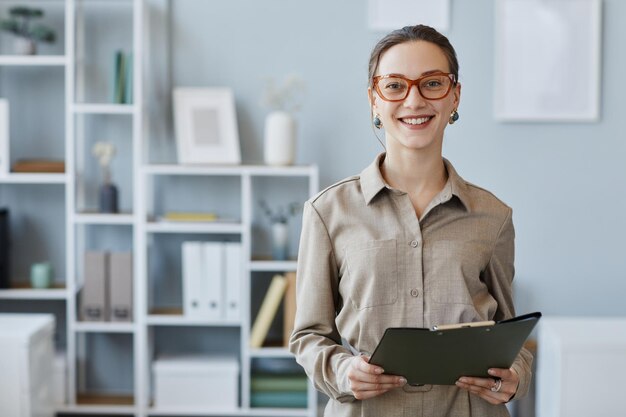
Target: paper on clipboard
x=442 y=356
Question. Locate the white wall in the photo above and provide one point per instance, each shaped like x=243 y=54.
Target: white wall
x=565 y=182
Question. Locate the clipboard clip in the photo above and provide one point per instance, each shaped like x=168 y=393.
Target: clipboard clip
x=463 y=325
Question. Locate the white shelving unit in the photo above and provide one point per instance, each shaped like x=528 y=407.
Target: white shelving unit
x=143 y=225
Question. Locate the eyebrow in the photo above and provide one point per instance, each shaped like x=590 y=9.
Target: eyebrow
x=435 y=71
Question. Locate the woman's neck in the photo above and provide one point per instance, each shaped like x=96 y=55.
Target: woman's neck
x=414 y=172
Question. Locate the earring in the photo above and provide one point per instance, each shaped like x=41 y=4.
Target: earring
x=454 y=116
x=377 y=122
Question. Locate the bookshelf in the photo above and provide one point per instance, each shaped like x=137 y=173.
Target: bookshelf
x=72 y=227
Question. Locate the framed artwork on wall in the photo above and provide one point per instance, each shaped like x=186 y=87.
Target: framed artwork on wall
x=547 y=60
x=387 y=15
x=205 y=124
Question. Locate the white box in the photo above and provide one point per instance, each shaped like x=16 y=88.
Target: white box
x=192 y=382
x=581 y=363
x=26 y=357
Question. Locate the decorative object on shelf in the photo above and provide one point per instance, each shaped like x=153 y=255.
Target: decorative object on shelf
x=107 y=196
x=4 y=136
x=38 y=166
x=280 y=228
x=280 y=124
x=41 y=275
x=122 y=78
x=206 y=126
x=26 y=37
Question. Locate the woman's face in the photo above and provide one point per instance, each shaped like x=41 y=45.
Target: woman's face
x=414 y=123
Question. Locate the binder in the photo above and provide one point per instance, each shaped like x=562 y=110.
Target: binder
x=121 y=286
x=193 y=282
x=232 y=280
x=441 y=357
x=95 y=288
x=212 y=275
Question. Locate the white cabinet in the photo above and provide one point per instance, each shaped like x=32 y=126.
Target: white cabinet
x=26 y=358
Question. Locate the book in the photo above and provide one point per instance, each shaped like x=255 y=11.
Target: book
x=268 y=309
x=289 y=307
x=278 y=399
x=119 y=77
x=4 y=136
x=184 y=216
x=38 y=165
x=128 y=84
x=276 y=382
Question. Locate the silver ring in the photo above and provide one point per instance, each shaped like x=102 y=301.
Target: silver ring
x=497 y=384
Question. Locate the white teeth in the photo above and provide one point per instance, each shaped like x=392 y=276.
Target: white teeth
x=418 y=121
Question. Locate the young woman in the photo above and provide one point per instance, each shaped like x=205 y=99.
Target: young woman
x=407 y=243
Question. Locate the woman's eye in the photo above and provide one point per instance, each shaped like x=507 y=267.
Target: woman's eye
x=433 y=84
x=394 y=86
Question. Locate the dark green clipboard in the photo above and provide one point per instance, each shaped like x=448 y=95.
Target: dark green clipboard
x=441 y=357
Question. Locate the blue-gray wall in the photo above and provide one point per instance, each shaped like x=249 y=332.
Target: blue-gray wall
x=565 y=182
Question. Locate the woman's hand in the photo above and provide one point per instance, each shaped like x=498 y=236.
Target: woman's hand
x=489 y=388
x=367 y=381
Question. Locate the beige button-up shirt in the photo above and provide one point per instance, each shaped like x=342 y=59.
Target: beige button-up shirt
x=367 y=263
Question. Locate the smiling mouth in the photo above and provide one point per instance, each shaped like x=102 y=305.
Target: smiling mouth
x=416 y=120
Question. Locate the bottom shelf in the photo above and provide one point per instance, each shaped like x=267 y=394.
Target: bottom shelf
x=100 y=404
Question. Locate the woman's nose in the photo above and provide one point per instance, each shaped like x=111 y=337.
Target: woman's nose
x=414 y=98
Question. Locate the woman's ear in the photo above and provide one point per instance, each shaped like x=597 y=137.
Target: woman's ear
x=371 y=97
x=457 y=95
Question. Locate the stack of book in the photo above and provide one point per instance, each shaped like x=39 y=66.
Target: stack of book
x=278 y=383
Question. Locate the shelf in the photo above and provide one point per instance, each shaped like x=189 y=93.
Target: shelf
x=274 y=266
x=258 y=170
x=177 y=319
x=26 y=293
x=85 y=108
x=271 y=352
x=103 y=218
x=33 y=178
x=104 y=327
x=192 y=227
x=100 y=404
x=32 y=60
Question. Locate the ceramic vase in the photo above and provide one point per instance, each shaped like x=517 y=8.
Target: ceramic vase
x=280 y=241
x=280 y=139
x=107 y=198
x=24 y=46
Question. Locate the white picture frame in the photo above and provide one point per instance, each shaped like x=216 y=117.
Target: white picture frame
x=547 y=60
x=205 y=125
x=5 y=161
x=387 y=15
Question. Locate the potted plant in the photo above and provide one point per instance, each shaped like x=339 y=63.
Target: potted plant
x=280 y=126
x=26 y=36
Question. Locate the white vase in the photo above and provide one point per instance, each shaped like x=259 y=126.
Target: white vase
x=24 y=46
x=280 y=138
x=280 y=241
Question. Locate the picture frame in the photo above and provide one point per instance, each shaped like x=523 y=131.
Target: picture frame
x=205 y=125
x=550 y=73
x=387 y=15
x=5 y=162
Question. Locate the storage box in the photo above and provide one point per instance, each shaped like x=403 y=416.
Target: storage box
x=59 y=379
x=26 y=356
x=184 y=382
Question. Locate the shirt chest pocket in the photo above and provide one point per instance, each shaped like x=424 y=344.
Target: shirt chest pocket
x=372 y=278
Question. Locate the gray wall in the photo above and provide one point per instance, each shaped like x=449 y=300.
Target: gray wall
x=564 y=181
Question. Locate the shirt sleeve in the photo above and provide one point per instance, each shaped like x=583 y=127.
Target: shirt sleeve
x=315 y=340
x=498 y=276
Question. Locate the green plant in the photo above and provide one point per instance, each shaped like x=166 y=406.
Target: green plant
x=20 y=24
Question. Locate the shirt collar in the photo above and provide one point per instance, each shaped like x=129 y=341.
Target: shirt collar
x=372 y=182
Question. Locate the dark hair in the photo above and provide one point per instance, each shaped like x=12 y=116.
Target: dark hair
x=408 y=34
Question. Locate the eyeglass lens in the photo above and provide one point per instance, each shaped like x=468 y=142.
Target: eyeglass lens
x=431 y=87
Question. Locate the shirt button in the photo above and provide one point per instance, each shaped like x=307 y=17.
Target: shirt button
x=414 y=243
x=414 y=292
